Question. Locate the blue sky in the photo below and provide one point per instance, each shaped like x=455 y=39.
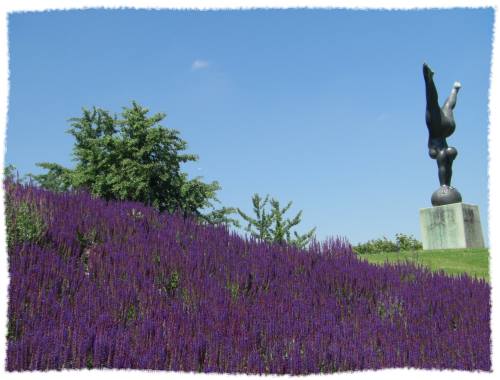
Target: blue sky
x=321 y=107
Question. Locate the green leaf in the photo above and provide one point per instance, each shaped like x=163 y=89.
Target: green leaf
x=132 y=157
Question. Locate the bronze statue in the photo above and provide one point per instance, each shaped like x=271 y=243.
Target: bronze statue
x=441 y=124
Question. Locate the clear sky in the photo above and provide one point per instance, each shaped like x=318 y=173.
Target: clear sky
x=321 y=107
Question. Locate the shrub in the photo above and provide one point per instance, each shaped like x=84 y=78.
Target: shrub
x=24 y=223
x=407 y=243
x=403 y=243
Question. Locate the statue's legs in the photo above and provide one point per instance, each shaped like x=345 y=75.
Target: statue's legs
x=450 y=103
x=432 y=114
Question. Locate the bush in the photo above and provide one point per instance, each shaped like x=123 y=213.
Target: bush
x=24 y=224
x=403 y=243
x=408 y=243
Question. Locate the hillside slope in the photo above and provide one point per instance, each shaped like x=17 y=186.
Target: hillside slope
x=116 y=285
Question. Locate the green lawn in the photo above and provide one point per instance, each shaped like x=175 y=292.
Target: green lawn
x=474 y=262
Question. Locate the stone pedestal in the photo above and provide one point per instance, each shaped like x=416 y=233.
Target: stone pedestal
x=455 y=225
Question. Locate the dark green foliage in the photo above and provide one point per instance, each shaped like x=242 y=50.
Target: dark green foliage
x=89 y=362
x=13 y=329
x=131 y=314
x=402 y=243
x=169 y=284
x=133 y=158
x=173 y=282
x=87 y=239
x=234 y=288
x=271 y=226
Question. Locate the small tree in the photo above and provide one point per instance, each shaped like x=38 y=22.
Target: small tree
x=8 y=172
x=133 y=158
x=271 y=226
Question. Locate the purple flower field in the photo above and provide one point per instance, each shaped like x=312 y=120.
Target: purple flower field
x=118 y=285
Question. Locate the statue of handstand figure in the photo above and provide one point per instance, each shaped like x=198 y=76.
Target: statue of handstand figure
x=441 y=124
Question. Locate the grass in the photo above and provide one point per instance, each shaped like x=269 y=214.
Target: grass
x=474 y=261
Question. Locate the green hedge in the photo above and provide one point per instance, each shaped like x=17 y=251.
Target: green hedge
x=402 y=243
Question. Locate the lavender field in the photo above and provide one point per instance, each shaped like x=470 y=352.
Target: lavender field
x=96 y=284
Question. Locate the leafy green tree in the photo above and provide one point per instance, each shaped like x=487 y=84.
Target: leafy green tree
x=271 y=226
x=134 y=158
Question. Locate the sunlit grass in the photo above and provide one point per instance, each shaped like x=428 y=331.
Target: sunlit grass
x=473 y=262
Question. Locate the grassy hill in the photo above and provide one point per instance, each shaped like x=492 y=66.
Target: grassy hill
x=473 y=262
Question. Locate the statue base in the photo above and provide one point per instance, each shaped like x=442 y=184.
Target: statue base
x=456 y=225
x=445 y=195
